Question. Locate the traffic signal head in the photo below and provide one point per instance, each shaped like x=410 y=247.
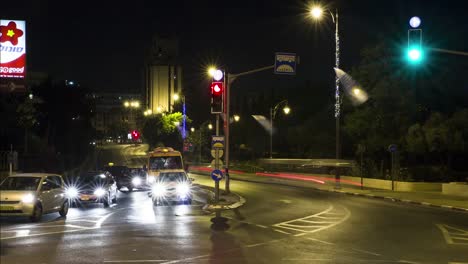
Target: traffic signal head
x=414 y=52
x=217 y=92
x=135 y=135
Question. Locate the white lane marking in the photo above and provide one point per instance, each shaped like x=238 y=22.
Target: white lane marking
x=316 y=222
x=453 y=235
x=262 y=226
x=281 y=231
x=302 y=218
x=97 y=225
x=367 y=252
x=348 y=214
x=354 y=260
x=305 y=259
x=136 y=261
x=187 y=259
x=321 y=241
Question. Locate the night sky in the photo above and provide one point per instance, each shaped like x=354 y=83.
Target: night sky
x=103 y=46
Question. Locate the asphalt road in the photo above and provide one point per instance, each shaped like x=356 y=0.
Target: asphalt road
x=278 y=224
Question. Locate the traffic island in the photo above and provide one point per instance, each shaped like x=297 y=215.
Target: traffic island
x=227 y=201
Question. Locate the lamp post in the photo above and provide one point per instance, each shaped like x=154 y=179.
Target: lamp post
x=273 y=111
x=316 y=13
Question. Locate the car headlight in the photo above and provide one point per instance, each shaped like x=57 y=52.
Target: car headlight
x=72 y=192
x=151 y=179
x=28 y=198
x=183 y=189
x=136 y=181
x=158 y=190
x=99 y=192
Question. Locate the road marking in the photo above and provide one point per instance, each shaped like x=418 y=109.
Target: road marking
x=262 y=226
x=187 y=259
x=321 y=241
x=365 y=251
x=453 y=235
x=314 y=223
x=284 y=232
x=135 y=261
x=20 y=233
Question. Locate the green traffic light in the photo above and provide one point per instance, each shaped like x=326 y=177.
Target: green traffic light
x=415 y=55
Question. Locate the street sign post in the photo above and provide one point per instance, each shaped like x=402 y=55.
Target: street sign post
x=285 y=63
x=217 y=142
x=217 y=175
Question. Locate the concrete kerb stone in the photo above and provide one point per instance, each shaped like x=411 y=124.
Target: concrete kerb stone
x=407 y=201
x=211 y=207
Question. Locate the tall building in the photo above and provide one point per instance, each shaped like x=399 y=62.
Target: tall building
x=163 y=74
x=115 y=109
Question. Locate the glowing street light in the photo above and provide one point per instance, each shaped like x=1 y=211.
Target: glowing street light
x=210 y=126
x=236 y=118
x=211 y=71
x=126 y=104
x=176 y=97
x=192 y=129
x=273 y=111
x=316 y=12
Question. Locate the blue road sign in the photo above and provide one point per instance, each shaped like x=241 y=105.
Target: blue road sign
x=285 y=63
x=217 y=175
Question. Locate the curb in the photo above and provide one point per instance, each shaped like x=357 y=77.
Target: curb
x=460 y=209
x=400 y=200
x=212 y=207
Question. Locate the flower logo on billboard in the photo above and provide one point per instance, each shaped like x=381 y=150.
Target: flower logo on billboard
x=10 y=33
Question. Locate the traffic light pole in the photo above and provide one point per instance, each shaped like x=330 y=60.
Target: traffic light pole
x=454 y=52
x=227 y=119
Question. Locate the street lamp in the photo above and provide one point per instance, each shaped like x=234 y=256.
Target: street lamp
x=236 y=118
x=316 y=13
x=273 y=111
x=210 y=126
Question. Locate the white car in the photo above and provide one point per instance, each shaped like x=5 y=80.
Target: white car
x=32 y=195
x=172 y=186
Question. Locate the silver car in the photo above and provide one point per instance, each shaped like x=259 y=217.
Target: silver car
x=32 y=195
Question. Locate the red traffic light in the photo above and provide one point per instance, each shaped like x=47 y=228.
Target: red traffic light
x=217 y=88
x=135 y=135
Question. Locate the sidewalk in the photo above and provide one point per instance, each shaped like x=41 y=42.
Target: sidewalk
x=435 y=199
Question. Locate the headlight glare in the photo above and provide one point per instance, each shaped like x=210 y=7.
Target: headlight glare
x=183 y=189
x=99 y=192
x=72 y=192
x=28 y=198
x=136 y=181
x=158 y=190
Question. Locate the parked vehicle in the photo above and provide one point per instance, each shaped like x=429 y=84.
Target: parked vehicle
x=32 y=195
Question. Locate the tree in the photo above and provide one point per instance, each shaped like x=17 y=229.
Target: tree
x=163 y=129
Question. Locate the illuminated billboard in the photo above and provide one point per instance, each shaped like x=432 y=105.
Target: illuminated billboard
x=12 y=48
